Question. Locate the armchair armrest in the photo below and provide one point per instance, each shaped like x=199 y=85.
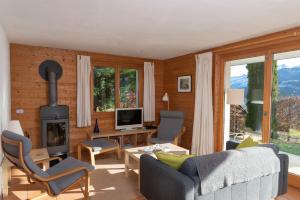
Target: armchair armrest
x=48 y=159
x=160 y=182
x=149 y=136
x=62 y=174
x=178 y=137
x=283 y=174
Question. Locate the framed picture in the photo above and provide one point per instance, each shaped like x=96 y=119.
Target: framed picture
x=185 y=83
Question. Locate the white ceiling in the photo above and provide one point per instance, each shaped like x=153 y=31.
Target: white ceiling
x=143 y=28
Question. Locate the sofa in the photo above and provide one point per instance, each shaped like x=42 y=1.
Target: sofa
x=158 y=181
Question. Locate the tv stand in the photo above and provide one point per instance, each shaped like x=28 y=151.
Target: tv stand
x=120 y=134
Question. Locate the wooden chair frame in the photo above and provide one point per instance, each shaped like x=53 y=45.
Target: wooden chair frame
x=44 y=181
x=93 y=153
x=176 y=140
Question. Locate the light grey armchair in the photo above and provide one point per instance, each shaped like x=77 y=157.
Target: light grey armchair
x=170 y=128
x=55 y=180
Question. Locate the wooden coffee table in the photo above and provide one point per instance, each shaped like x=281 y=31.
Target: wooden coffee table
x=132 y=157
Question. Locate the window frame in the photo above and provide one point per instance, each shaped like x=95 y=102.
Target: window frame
x=117 y=68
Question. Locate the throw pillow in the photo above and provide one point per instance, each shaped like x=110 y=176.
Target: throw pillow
x=248 y=142
x=172 y=160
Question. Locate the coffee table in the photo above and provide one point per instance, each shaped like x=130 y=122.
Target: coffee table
x=132 y=157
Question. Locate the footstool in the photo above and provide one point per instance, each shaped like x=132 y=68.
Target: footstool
x=98 y=146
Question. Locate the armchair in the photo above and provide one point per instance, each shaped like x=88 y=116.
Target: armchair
x=170 y=128
x=55 y=180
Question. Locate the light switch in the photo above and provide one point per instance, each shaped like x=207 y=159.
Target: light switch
x=19 y=111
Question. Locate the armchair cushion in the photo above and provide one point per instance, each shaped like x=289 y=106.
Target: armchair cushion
x=14 y=150
x=171 y=123
x=159 y=141
x=70 y=163
x=99 y=144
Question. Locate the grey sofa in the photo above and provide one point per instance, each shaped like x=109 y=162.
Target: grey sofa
x=160 y=182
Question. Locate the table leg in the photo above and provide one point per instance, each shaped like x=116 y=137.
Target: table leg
x=135 y=139
x=139 y=177
x=79 y=152
x=126 y=164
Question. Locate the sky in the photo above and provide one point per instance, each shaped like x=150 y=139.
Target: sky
x=240 y=70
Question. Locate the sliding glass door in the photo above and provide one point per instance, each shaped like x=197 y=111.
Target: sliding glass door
x=244 y=98
x=285 y=107
x=248 y=87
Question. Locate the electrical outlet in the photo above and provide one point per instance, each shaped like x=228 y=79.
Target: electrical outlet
x=19 y=111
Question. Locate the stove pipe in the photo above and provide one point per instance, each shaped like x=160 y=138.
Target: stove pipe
x=52 y=87
x=51 y=71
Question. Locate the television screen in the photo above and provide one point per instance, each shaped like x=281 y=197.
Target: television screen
x=129 y=118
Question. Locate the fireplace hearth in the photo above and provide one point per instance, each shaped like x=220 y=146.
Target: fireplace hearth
x=54 y=118
x=55 y=129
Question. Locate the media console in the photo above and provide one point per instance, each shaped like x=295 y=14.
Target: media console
x=132 y=134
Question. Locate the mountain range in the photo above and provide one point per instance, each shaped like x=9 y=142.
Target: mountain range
x=288 y=81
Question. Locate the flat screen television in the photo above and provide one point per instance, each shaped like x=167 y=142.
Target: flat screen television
x=128 y=118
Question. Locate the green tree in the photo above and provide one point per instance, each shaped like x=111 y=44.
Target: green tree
x=255 y=95
x=104 y=89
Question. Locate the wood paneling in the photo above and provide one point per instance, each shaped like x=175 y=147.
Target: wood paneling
x=184 y=65
x=29 y=91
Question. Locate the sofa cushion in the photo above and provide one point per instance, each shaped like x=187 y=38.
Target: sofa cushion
x=189 y=168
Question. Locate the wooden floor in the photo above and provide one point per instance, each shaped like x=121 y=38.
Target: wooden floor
x=107 y=182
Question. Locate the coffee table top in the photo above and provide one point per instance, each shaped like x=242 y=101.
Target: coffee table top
x=136 y=152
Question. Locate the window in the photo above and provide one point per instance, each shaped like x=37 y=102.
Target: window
x=104 y=89
x=108 y=80
x=285 y=108
x=128 y=88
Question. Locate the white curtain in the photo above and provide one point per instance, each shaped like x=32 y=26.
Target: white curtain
x=83 y=91
x=149 y=92
x=203 y=142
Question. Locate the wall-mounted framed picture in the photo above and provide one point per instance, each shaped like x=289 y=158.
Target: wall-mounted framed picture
x=184 y=83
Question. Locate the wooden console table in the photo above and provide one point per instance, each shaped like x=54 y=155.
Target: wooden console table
x=122 y=134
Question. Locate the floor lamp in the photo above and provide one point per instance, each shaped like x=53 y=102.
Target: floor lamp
x=166 y=99
x=235 y=97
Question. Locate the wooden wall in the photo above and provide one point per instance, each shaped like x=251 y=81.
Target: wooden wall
x=179 y=66
x=29 y=91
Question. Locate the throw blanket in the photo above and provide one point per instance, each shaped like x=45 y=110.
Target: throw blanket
x=226 y=168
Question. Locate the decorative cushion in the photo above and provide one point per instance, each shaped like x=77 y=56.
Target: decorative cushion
x=172 y=160
x=248 y=142
x=70 y=163
x=99 y=144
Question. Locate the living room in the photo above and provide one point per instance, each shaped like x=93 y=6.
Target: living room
x=126 y=91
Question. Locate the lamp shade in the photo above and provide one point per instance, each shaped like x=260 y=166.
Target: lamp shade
x=15 y=127
x=235 y=96
x=165 y=97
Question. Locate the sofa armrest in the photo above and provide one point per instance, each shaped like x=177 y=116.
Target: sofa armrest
x=160 y=182
x=283 y=174
x=231 y=144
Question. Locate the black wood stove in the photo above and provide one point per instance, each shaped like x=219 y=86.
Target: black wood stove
x=54 y=118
